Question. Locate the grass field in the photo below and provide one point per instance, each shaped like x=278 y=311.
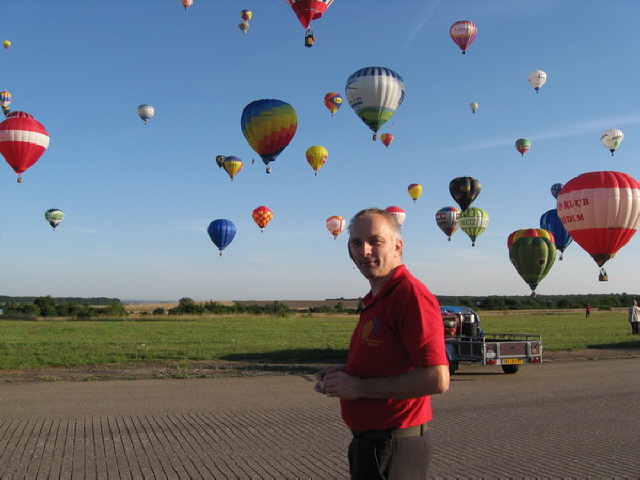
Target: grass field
x=65 y=343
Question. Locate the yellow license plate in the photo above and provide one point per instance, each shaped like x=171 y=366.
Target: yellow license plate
x=511 y=361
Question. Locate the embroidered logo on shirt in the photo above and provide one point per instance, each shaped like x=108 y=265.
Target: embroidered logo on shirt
x=369 y=330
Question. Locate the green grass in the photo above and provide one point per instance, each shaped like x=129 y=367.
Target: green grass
x=39 y=344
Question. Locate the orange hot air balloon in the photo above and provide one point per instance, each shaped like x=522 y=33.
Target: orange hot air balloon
x=262 y=216
x=415 y=190
x=333 y=101
x=386 y=139
x=601 y=211
x=335 y=224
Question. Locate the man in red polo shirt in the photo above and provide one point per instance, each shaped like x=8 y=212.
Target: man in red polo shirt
x=396 y=359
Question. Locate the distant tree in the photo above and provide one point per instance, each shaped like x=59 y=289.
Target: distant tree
x=47 y=306
x=159 y=311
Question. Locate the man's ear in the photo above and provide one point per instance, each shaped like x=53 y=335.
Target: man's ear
x=399 y=246
x=350 y=255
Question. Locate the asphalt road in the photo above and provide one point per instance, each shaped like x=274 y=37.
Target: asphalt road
x=564 y=420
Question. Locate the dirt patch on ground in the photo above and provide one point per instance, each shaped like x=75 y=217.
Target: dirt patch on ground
x=224 y=368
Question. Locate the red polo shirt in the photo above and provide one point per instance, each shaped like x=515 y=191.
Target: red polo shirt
x=399 y=329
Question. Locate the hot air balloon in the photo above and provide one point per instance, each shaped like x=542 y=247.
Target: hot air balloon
x=262 y=216
x=386 y=139
x=23 y=140
x=333 y=101
x=523 y=145
x=335 y=224
x=186 y=3
x=532 y=252
x=232 y=165
x=221 y=232
x=464 y=191
x=375 y=93
x=415 y=190
x=246 y=15
x=268 y=125
x=220 y=160
x=474 y=106
x=5 y=101
x=145 y=112
x=463 y=33
x=316 y=157
x=611 y=139
x=555 y=189
x=244 y=27
x=601 y=211
x=537 y=79
x=447 y=219
x=551 y=222
x=473 y=221
x=54 y=217
x=6 y=44
x=397 y=212
x=307 y=11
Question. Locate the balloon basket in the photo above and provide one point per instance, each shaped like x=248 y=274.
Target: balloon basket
x=603 y=277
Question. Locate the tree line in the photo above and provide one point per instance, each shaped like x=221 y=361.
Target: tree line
x=84 y=308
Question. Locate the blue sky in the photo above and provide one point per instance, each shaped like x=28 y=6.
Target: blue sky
x=138 y=199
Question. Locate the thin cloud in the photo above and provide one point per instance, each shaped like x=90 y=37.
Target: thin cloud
x=431 y=6
x=562 y=131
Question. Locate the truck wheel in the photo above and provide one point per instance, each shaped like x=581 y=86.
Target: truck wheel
x=453 y=366
x=509 y=369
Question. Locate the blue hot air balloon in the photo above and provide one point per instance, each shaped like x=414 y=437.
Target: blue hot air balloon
x=221 y=232
x=551 y=222
x=555 y=189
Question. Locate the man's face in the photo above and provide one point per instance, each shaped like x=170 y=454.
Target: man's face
x=374 y=247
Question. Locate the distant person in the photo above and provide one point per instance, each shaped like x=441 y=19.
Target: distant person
x=634 y=317
x=587 y=311
x=396 y=359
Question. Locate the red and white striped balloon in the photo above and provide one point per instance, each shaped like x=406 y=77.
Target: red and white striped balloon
x=23 y=140
x=601 y=211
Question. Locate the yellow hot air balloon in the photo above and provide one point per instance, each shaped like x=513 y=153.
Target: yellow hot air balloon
x=232 y=165
x=317 y=157
x=6 y=44
x=415 y=190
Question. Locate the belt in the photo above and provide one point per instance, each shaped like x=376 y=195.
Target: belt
x=415 y=431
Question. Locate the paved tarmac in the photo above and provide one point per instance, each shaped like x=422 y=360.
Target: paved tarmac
x=564 y=420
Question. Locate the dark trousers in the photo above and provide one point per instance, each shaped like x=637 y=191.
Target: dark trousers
x=388 y=458
x=634 y=328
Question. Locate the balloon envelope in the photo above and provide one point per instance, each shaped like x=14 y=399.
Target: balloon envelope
x=335 y=224
x=375 y=93
x=23 y=140
x=54 y=217
x=415 y=190
x=447 y=219
x=537 y=79
x=601 y=211
x=232 y=165
x=474 y=106
x=473 y=221
x=386 y=139
x=463 y=33
x=611 y=139
x=221 y=232
x=551 y=222
x=268 y=125
x=308 y=10
x=6 y=44
x=523 y=145
x=145 y=112
x=246 y=15
x=316 y=157
x=464 y=190
x=333 y=101
x=532 y=257
x=397 y=212
x=262 y=216
x=555 y=189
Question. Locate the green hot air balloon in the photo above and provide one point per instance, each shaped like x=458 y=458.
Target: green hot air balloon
x=532 y=255
x=54 y=217
x=473 y=221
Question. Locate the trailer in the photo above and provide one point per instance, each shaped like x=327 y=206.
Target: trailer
x=466 y=341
